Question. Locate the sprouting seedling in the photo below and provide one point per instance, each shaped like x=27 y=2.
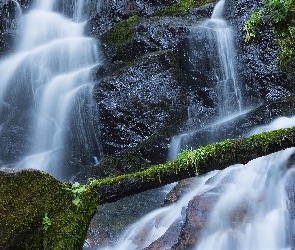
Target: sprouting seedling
x=46 y=222
x=76 y=190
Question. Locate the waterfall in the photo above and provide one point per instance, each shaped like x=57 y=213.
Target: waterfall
x=219 y=50
x=229 y=97
x=254 y=208
x=253 y=205
x=48 y=81
x=262 y=192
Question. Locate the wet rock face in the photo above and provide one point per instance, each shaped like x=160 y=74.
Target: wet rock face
x=262 y=78
x=198 y=211
x=172 y=234
x=9 y=24
x=112 y=12
x=182 y=188
x=125 y=211
x=10 y=14
x=169 y=238
x=259 y=78
x=146 y=94
x=139 y=101
x=156 y=34
x=15 y=135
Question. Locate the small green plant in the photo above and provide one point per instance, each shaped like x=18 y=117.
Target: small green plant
x=76 y=190
x=46 y=222
x=279 y=9
x=281 y=15
x=254 y=21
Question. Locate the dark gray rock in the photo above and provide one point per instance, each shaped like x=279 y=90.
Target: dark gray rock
x=9 y=24
x=139 y=101
x=113 y=12
x=262 y=78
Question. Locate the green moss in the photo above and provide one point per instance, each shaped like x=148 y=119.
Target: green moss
x=281 y=16
x=37 y=211
x=181 y=7
x=69 y=221
x=199 y=3
x=121 y=33
x=225 y=153
x=29 y=198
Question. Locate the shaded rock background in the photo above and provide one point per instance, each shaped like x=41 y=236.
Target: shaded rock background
x=8 y=25
x=103 y=233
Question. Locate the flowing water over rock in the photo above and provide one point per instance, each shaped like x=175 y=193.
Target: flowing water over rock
x=242 y=207
x=46 y=93
x=256 y=208
x=220 y=38
x=216 y=62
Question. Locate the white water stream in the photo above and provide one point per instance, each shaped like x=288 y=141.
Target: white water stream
x=259 y=190
x=217 y=29
x=255 y=209
x=49 y=74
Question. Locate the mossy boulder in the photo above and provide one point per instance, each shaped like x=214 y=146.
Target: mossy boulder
x=181 y=7
x=114 y=12
x=37 y=212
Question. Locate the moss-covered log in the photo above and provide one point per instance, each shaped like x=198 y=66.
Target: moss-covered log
x=191 y=163
x=39 y=212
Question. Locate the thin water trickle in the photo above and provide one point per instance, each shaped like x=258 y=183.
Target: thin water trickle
x=50 y=73
x=229 y=98
x=227 y=80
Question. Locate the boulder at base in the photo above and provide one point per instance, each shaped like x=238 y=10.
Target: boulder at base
x=37 y=211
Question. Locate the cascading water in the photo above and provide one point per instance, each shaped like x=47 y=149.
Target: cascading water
x=229 y=96
x=215 y=35
x=153 y=225
x=254 y=208
x=47 y=80
x=261 y=194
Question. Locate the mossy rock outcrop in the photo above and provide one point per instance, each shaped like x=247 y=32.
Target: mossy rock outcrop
x=37 y=212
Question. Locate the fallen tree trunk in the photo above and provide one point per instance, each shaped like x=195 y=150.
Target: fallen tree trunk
x=39 y=212
x=191 y=163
